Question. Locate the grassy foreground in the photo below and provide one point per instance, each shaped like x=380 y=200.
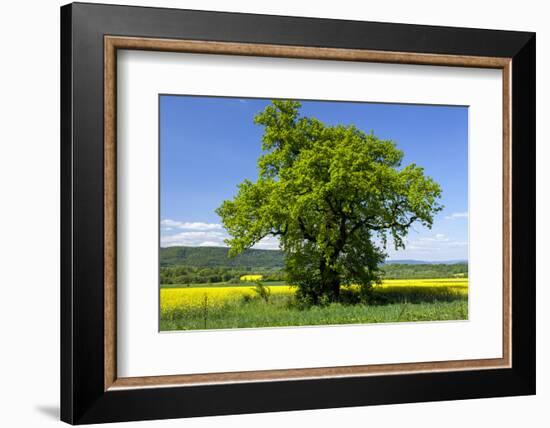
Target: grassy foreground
x=194 y=308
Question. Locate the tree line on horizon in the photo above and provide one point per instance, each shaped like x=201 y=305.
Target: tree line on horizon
x=185 y=275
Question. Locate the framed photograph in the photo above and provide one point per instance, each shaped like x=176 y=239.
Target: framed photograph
x=266 y=213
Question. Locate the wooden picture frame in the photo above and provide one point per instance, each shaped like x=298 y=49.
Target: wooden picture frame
x=91 y=390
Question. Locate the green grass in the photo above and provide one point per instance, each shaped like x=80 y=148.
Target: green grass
x=402 y=306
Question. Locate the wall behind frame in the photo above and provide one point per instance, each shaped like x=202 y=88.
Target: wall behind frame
x=29 y=219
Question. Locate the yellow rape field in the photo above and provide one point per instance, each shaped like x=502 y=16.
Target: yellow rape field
x=250 y=278
x=197 y=297
x=438 y=282
x=456 y=284
x=171 y=298
x=427 y=287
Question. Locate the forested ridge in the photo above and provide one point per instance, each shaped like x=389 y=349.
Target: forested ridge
x=201 y=265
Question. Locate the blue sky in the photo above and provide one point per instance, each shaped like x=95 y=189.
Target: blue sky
x=210 y=144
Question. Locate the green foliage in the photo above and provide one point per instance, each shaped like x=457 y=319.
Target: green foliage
x=211 y=275
x=262 y=291
x=330 y=193
x=418 y=271
x=186 y=274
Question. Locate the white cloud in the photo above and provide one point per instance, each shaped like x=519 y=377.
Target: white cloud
x=194 y=239
x=268 y=243
x=436 y=243
x=199 y=234
x=438 y=237
x=456 y=216
x=430 y=248
x=211 y=244
x=169 y=223
x=196 y=225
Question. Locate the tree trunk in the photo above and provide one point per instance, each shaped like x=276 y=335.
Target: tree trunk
x=335 y=288
x=332 y=287
x=330 y=280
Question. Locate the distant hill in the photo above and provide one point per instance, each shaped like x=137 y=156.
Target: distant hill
x=424 y=262
x=218 y=257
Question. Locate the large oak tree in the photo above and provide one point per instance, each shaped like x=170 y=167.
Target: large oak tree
x=334 y=195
